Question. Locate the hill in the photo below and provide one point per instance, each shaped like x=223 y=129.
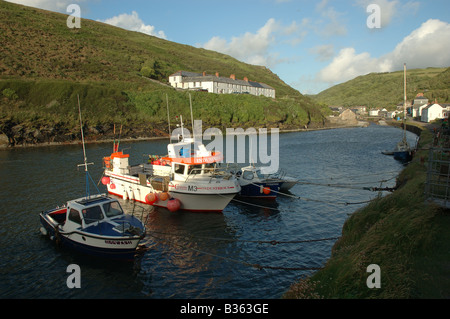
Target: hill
x=378 y=90
x=403 y=233
x=121 y=77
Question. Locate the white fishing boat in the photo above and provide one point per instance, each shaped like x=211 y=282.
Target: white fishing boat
x=188 y=178
x=94 y=224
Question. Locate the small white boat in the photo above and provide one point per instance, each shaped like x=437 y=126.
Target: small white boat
x=94 y=224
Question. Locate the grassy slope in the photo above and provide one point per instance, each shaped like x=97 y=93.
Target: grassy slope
x=44 y=65
x=378 y=90
x=406 y=236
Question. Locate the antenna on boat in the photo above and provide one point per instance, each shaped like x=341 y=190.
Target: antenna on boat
x=192 y=116
x=84 y=151
x=168 y=116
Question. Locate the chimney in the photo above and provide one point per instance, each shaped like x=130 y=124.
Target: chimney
x=233 y=77
x=217 y=74
x=246 y=79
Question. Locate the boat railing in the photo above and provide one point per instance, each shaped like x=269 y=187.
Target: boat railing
x=209 y=172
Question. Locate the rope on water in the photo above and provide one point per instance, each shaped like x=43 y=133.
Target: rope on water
x=245 y=263
x=271 y=242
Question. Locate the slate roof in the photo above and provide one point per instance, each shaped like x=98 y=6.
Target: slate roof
x=198 y=77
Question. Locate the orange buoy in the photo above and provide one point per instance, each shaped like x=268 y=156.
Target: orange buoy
x=112 y=186
x=266 y=190
x=106 y=180
x=163 y=196
x=151 y=198
x=173 y=205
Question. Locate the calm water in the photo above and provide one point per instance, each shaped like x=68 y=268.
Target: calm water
x=191 y=255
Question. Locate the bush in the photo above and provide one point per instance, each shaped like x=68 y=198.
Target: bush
x=10 y=94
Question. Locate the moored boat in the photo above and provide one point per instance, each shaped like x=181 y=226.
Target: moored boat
x=188 y=178
x=94 y=224
x=255 y=185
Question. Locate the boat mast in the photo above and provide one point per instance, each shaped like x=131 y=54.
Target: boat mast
x=84 y=151
x=404 y=102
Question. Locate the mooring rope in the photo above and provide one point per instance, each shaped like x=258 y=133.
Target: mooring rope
x=245 y=263
x=271 y=242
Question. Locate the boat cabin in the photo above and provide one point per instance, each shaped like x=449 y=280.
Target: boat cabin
x=86 y=212
x=250 y=172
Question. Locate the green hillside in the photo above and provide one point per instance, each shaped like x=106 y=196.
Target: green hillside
x=121 y=77
x=377 y=90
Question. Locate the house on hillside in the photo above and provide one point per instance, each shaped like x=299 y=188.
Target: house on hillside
x=374 y=112
x=418 y=104
x=432 y=112
x=359 y=110
x=218 y=84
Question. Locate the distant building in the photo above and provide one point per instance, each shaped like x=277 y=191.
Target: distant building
x=220 y=85
x=359 y=110
x=432 y=112
x=419 y=103
x=374 y=112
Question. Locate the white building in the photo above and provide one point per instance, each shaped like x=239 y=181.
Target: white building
x=374 y=112
x=217 y=84
x=431 y=113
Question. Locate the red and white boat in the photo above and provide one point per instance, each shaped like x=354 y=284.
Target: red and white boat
x=188 y=178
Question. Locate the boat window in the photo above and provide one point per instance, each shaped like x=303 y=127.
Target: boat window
x=179 y=169
x=195 y=169
x=92 y=214
x=259 y=174
x=112 y=209
x=74 y=216
x=247 y=175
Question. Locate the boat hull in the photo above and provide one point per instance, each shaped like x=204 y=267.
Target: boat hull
x=192 y=198
x=257 y=190
x=113 y=247
x=403 y=156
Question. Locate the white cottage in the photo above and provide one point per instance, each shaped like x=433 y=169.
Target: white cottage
x=431 y=113
x=218 y=84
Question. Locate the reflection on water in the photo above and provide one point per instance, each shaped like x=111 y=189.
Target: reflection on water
x=191 y=255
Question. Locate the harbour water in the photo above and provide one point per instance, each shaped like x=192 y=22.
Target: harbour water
x=193 y=255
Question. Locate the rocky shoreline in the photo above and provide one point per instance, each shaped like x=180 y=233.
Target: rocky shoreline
x=20 y=136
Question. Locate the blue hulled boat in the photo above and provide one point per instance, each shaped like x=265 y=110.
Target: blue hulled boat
x=255 y=185
x=94 y=224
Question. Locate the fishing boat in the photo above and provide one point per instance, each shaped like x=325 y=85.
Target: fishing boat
x=188 y=178
x=403 y=152
x=287 y=182
x=94 y=224
x=254 y=184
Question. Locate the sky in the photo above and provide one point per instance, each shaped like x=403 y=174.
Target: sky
x=310 y=45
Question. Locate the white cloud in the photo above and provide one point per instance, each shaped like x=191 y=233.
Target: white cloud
x=132 y=22
x=254 y=48
x=426 y=46
x=51 y=5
